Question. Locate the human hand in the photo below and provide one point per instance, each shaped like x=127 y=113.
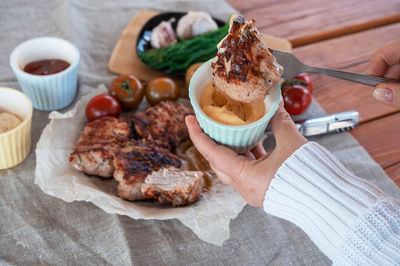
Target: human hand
x=249 y=173
x=386 y=63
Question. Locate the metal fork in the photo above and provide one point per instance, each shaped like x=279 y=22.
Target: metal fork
x=293 y=66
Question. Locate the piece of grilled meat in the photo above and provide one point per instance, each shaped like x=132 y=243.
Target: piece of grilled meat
x=136 y=160
x=174 y=186
x=245 y=70
x=163 y=123
x=95 y=150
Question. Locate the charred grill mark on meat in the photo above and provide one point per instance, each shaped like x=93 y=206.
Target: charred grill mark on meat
x=245 y=70
x=163 y=123
x=95 y=150
x=107 y=128
x=136 y=160
x=239 y=42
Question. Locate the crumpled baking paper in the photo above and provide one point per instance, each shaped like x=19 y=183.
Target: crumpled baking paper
x=208 y=218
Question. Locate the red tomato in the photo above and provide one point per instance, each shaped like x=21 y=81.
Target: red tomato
x=102 y=105
x=307 y=80
x=128 y=90
x=296 y=98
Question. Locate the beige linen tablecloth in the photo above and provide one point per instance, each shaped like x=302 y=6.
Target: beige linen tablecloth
x=38 y=229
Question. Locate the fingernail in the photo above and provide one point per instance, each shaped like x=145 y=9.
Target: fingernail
x=383 y=94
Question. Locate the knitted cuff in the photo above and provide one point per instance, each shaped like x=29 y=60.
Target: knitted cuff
x=313 y=190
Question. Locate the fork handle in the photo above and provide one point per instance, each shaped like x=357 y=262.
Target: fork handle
x=350 y=76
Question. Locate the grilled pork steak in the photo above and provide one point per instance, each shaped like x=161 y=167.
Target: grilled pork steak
x=175 y=186
x=163 y=123
x=105 y=150
x=245 y=70
x=95 y=150
x=136 y=160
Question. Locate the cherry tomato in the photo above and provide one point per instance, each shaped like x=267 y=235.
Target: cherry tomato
x=102 y=105
x=161 y=89
x=307 y=80
x=128 y=90
x=296 y=98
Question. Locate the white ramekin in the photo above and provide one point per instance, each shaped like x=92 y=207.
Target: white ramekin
x=15 y=144
x=47 y=92
x=238 y=138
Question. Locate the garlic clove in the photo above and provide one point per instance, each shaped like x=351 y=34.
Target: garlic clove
x=195 y=23
x=163 y=35
x=184 y=27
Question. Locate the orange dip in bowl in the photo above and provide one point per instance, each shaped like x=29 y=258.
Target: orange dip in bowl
x=221 y=108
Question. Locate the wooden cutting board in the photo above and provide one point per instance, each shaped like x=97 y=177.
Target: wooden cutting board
x=124 y=59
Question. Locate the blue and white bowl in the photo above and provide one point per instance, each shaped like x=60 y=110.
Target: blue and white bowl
x=238 y=138
x=47 y=92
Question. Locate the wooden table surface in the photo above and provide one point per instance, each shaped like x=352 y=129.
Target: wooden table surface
x=340 y=34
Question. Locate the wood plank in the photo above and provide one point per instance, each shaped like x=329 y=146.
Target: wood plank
x=308 y=21
x=381 y=139
x=349 y=53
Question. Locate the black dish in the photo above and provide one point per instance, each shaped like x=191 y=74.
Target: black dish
x=144 y=37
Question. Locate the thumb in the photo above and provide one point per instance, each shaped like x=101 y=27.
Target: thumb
x=388 y=93
x=220 y=158
x=285 y=131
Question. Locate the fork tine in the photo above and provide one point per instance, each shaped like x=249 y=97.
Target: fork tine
x=292 y=66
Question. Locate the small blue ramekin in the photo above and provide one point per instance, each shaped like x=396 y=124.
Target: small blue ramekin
x=47 y=92
x=238 y=138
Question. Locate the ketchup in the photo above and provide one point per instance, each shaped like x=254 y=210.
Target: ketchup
x=46 y=67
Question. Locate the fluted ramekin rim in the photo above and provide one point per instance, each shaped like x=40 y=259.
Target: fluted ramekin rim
x=16 y=68
x=26 y=120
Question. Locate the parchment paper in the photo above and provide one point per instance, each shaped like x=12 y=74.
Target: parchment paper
x=38 y=229
x=209 y=218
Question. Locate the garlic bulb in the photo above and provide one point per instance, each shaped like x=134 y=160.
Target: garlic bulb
x=163 y=35
x=195 y=23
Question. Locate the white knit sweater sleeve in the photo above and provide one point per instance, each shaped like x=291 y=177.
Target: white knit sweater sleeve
x=350 y=220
